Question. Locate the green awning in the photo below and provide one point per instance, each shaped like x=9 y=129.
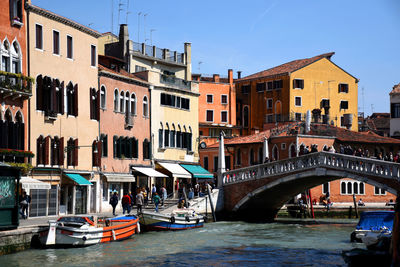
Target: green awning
x=198 y=171
x=78 y=179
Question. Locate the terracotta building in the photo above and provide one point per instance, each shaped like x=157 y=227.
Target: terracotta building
x=395 y=111
x=64 y=131
x=15 y=85
x=285 y=93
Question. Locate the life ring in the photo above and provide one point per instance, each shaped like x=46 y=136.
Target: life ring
x=172 y=219
x=197 y=221
x=187 y=218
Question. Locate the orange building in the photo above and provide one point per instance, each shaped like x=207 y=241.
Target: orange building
x=15 y=86
x=217 y=113
x=289 y=140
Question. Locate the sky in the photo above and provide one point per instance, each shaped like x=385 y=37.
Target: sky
x=256 y=35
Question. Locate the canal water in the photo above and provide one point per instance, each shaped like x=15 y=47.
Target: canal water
x=217 y=244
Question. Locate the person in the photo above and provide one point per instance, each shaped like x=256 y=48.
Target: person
x=156 y=200
x=126 y=204
x=196 y=189
x=25 y=200
x=114 y=201
x=164 y=195
x=361 y=202
x=132 y=199
x=266 y=160
x=153 y=190
x=191 y=193
x=145 y=197
x=177 y=188
x=390 y=203
x=139 y=201
x=181 y=204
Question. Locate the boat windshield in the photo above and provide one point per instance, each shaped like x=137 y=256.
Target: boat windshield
x=75 y=219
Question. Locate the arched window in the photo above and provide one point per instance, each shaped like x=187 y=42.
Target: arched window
x=103 y=97
x=145 y=107
x=16 y=58
x=166 y=135
x=116 y=94
x=70 y=152
x=260 y=155
x=361 y=188
x=179 y=137
x=343 y=188
x=9 y=130
x=292 y=151
x=355 y=188
x=184 y=137
x=55 y=151
x=41 y=150
x=146 y=149
x=20 y=130
x=172 y=136
x=189 y=139
x=121 y=102
x=239 y=157
x=5 y=56
x=349 y=188
x=133 y=104
x=72 y=98
x=275 y=153
x=246 y=116
x=160 y=136
x=127 y=106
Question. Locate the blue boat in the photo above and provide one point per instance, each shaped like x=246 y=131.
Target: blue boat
x=181 y=219
x=372 y=221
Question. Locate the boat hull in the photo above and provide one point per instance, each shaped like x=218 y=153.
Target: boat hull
x=162 y=222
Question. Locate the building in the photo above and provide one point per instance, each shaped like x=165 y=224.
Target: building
x=124 y=130
x=378 y=123
x=291 y=139
x=285 y=93
x=15 y=86
x=217 y=113
x=395 y=111
x=63 y=131
x=173 y=103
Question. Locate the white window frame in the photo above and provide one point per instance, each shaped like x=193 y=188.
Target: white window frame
x=226 y=115
x=133 y=99
x=298 y=87
x=72 y=48
x=116 y=98
x=105 y=96
x=145 y=105
x=329 y=188
x=352 y=187
x=95 y=56
x=227 y=101
x=59 y=43
x=380 y=191
x=272 y=103
x=212 y=115
x=212 y=98
x=39 y=49
x=301 y=101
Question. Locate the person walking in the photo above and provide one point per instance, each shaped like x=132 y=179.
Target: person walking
x=126 y=204
x=114 y=201
x=139 y=201
x=153 y=190
x=24 y=203
x=164 y=195
x=156 y=200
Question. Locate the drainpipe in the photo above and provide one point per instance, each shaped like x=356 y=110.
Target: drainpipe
x=29 y=74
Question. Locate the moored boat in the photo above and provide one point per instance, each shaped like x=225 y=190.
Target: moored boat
x=372 y=221
x=88 y=230
x=180 y=219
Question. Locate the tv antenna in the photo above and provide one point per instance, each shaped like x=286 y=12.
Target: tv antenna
x=119 y=9
x=127 y=11
x=138 y=27
x=200 y=62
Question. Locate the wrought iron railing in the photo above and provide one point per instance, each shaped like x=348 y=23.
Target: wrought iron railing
x=17 y=83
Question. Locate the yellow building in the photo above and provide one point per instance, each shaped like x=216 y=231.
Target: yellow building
x=287 y=92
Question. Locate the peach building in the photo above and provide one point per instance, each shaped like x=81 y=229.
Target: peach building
x=64 y=129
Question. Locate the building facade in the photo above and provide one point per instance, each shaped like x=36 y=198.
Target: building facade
x=395 y=111
x=63 y=61
x=286 y=92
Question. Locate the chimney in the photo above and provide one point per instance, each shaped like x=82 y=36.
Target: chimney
x=216 y=78
x=230 y=76
x=239 y=73
x=123 y=42
x=188 y=61
x=308 y=121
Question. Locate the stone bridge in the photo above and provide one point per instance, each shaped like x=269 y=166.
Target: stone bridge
x=258 y=192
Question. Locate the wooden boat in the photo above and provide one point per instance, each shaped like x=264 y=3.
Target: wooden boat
x=372 y=221
x=180 y=219
x=88 y=230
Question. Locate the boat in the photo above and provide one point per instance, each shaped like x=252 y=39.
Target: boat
x=372 y=221
x=88 y=230
x=179 y=219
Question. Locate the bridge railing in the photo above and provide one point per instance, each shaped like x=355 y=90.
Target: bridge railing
x=343 y=162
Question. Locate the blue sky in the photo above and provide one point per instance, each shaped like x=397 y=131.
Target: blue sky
x=255 y=35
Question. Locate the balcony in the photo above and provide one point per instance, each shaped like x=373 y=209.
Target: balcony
x=158 y=53
x=14 y=155
x=50 y=115
x=128 y=121
x=15 y=85
x=175 y=82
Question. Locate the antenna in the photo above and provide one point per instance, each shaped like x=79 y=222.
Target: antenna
x=127 y=11
x=144 y=26
x=200 y=62
x=112 y=16
x=138 y=27
x=362 y=94
x=119 y=9
x=151 y=36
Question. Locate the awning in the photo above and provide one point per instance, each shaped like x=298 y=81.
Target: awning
x=149 y=172
x=77 y=178
x=119 y=177
x=198 y=171
x=176 y=170
x=30 y=183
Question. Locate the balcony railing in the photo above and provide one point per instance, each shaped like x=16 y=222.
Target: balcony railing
x=172 y=80
x=163 y=54
x=16 y=83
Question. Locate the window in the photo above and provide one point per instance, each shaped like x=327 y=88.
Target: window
x=251 y=157
x=283 y=146
x=127 y=105
x=297 y=116
x=16 y=11
x=260 y=87
x=270 y=118
x=39 y=36
x=16 y=57
x=270 y=85
x=145 y=107
x=395 y=110
x=215 y=164
x=139 y=68
x=135 y=148
x=103 y=97
x=205 y=163
x=116 y=100
x=121 y=102
x=246 y=116
x=351 y=187
x=56 y=43
x=269 y=103
x=344 y=104
x=146 y=149
x=42 y=151
x=72 y=152
x=325 y=188
x=278 y=84
x=133 y=104
x=210 y=99
x=342 y=124
x=69 y=47
x=160 y=137
x=238 y=157
x=224 y=116
x=379 y=191
x=166 y=136
x=298 y=84
x=172 y=136
x=297 y=101
x=93 y=55
x=246 y=89
x=94 y=105
x=72 y=99
x=5 y=58
x=210 y=116
x=104 y=145
x=325 y=103
x=224 y=99
x=343 y=88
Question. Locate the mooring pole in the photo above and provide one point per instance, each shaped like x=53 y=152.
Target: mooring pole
x=355 y=205
x=311 y=204
x=211 y=204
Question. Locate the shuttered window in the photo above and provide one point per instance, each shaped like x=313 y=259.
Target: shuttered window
x=56 y=43
x=39 y=36
x=69 y=47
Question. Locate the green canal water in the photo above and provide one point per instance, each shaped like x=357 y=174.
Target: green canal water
x=217 y=244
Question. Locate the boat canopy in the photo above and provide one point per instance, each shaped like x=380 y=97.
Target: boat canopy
x=376 y=220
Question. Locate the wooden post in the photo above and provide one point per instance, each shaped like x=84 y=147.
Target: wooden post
x=311 y=203
x=395 y=234
x=355 y=205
